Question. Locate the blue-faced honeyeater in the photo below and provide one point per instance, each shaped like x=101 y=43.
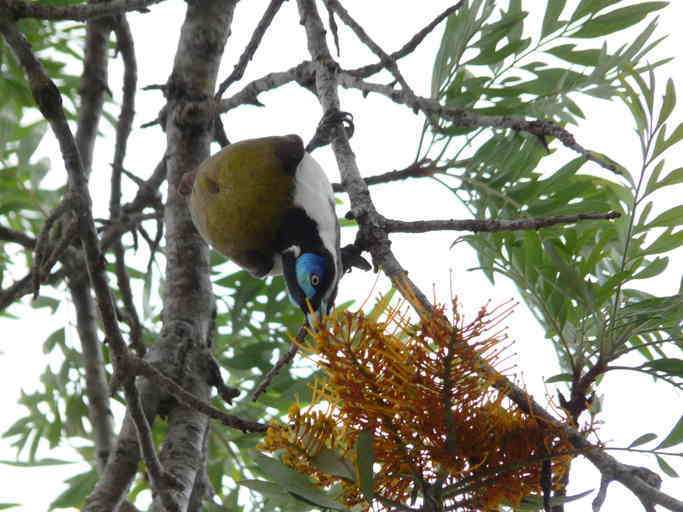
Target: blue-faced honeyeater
x=268 y=206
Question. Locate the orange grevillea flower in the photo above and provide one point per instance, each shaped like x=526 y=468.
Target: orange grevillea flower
x=425 y=393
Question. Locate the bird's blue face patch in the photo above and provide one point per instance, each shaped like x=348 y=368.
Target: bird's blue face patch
x=310 y=273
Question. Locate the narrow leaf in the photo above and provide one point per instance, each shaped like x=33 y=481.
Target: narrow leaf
x=675 y=177
x=334 y=464
x=617 y=19
x=560 y=377
x=663 y=143
x=365 y=458
x=645 y=438
x=552 y=14
x=670 y=218
x=670 y=366
x=674 y=437
x=664 y=466
x=294 y=482
x=668 y=103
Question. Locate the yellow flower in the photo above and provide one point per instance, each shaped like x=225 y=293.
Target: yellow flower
x=435 y=418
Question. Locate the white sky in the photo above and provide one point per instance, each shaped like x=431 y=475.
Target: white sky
x=385 y=139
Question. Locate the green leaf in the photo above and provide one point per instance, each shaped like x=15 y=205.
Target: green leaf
x=674 y=437
x=670 y=366
x=580 y=57
x=268 y=489
x=294 y=482
x=664 y=466
x=488 y=56
x=560 y=377
x=80 y=486
x=653 y=268
x=334 y=464
x=5 y=506
x=591 y=7
x=654 y=176
x=663 y=143
x=665 y=243
x=668 y=103
x=552 y=14
x=670 y=218
x=53 y=339
x=365 y=457
x=617 y=19
x=645 y=438
x=381 y=305
x=675 y=177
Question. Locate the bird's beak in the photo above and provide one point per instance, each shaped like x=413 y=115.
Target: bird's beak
x=315 y=318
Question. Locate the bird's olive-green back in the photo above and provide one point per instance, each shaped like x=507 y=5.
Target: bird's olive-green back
x=241 y=193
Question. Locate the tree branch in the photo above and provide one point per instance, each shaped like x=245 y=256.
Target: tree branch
x=409 y=47
x=158 y=477
x=372 y=232
x=252 y=46
x=249 y=94
x=10 y=235
x=463 y=118
x=422 y=169
x=20 y=9
x=283 y=361
x=491 y=225
x=125 y=45
x=386 y=61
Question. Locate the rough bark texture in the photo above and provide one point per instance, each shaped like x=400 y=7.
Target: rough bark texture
x=188 y=301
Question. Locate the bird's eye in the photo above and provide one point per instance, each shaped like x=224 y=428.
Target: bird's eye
x=315 y=279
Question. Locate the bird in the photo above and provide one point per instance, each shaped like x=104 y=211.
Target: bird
x=267 y=205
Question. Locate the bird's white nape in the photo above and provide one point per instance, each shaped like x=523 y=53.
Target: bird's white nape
x=313 y=193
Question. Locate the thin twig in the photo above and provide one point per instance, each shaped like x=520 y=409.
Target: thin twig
x=124 y=43
x=422 y=169
x=409 y=47
x=385 y=59
x=280 y=364
x=148 y=194
x=142 y=367
x=252 y=46
x=159 y=478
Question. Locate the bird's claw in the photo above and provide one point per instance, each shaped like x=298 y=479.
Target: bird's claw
x=325 y=132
